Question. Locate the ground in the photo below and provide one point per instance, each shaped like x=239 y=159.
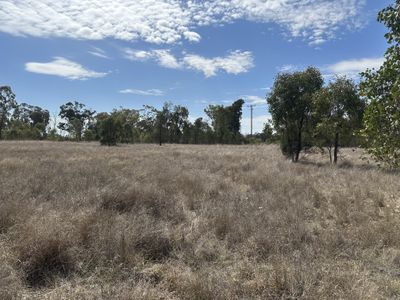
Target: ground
x=81 y=221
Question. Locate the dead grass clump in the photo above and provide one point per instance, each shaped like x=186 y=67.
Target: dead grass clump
x=8 y=212
x=44 y=259
x=222 y=225
x=122 y=200
x=150 y=200
x=154 y=246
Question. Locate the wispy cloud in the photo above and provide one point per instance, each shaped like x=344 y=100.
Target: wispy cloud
x=98 y=52
x=169 y=21
x=235 y=62
x=288 y=68
x=63 y=67
x=152 y=92
x=162 y=56
x=254 y=100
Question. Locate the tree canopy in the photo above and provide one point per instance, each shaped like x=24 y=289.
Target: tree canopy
x=290 y=103
x=382 y=90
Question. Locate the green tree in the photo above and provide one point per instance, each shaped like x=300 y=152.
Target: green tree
x=337 y=113
x=290 y=103
x=35 y=118
x=7 y=104
x=108 y=130
x=382 y=90
x=267 y=133
x=178 y=123
x=226 y=121
x=201 y=132
x=76 y=117
x=126 y=124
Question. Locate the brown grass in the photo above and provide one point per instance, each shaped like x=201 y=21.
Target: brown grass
x=80 y=221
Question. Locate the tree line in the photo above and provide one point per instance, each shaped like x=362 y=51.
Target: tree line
x=170 y=124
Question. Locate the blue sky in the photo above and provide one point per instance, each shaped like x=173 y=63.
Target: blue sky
x=112 y=53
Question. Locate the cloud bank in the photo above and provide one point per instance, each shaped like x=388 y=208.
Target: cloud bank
x=169 y=21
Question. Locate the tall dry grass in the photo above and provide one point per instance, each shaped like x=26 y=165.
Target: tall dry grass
x=80 y=221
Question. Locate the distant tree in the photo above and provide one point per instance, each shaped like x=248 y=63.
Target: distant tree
x=126 y=124
x=226 y=121
x=201 y=132
x=290 y=104
x=109 y=131
x=337 y=112
x=35 y=117
x=268 y=133
x=76 y=117
x=178 y=123
x=382 y=90
x=7 y=104
x=162 y=122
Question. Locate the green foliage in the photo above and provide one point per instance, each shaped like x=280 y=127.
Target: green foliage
x=201 y=132
x=109 y=131
x=290 y=103
x=268 y=134
x=337 y=114
x=7 y=104
x=76 y=118
x=226 y=121
x=382 y=89
x=28 y=122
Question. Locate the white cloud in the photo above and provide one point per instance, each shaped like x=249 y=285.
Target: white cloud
x=152 y=92
x=254 y=100
x=234 y=63
x=352 y=68
x=169 y=21
x=98 y=52
x=163 y=57
x=139 y=55
x=288 y=68
x=64 y=68
x=166 y=59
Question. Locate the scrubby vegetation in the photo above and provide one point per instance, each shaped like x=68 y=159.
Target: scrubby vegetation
x=81 y=221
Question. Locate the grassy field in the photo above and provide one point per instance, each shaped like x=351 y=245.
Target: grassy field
x=80 y=221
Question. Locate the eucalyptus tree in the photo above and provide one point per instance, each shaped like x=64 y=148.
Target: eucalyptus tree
x=75 y=118
x=290 y=104
x=337 y=112
x=7 y=104
x=382 y=89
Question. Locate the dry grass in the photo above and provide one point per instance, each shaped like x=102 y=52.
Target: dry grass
x=80 y=221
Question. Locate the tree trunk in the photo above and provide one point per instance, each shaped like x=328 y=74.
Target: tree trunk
x=160 y=134
x=335 y=151
x=1 y=127
x=299 y=146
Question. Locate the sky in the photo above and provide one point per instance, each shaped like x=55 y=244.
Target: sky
x=127 y=53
